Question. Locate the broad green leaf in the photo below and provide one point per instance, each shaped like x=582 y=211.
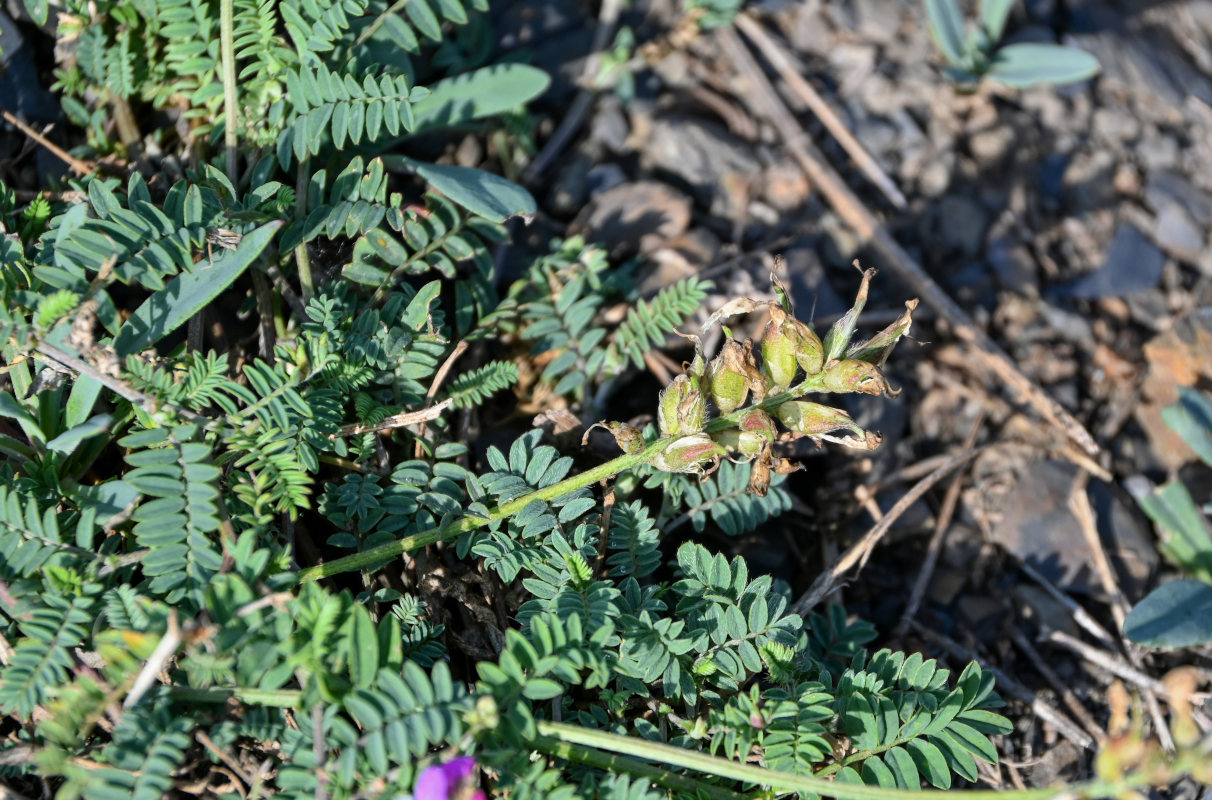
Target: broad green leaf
x=478 y=94
x=1176 y=614
x=38 y=10
x=947 y=28
x=902 y=766
x=186 y=294
x=1030 y=64
x=417 y=312
x=9 y=407
x=958 y=757
x=860 y=723
x=81 y=399
x=69 y=440
x=480 y=192
x=876 y=773
x=994 y=14
x=1188 y=542
x=1191 y=419
x=364 y=647
x=930 y=763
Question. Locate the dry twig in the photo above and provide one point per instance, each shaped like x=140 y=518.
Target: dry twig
x=438 y=380
x=941 y=525
x=862 y=548
x=803 y=90
x=78 y=166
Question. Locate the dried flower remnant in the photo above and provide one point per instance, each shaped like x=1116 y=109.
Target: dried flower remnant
x=454 y=780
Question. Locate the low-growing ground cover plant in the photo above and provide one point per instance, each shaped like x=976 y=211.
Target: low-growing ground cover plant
x=234 y=399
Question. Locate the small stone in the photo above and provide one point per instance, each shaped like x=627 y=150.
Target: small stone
x=640 y=216
x=1177 y=233
x=1157 y=151
x=570 y=188
x=935 y=176
x=1012 y=265
x=1115 y=125
x=1164 y=185
x=961 y=223
x=784 y=186
x=879 y=20
x=610 y=128
x=990 y=146
x=1127 y=180
x=706 y=158
x=1133 y=264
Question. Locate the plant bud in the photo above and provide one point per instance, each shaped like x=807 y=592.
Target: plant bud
x=854 y=376
x=780 y=347
x=813 y=419
x=682 y=408
x=688 y=454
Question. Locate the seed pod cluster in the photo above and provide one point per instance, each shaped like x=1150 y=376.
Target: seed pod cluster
x=794 y=361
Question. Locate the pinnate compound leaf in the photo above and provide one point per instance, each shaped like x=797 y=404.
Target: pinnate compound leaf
x=1177 y=614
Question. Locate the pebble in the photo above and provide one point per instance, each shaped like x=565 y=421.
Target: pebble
x=961 y=223
x=640 y=216
x=990 y=146
x=1177 y=233
x=1132 y=264
x=707 y=159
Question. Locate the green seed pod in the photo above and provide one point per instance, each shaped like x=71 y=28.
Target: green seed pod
x=688 y=454
x=854 y=376
x=811 y=353
x=682 y=408
x=732 y=374
x=780 y=348
x=755 y=432
x=813 y=419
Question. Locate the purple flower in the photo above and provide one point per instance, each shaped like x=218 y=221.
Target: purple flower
x=449 y=781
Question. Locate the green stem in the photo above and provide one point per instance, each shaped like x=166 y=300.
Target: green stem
x=601 y=472
x=788 y=782
x=307 y=285
x=503 y=511
x=613 y=762
x=227 y=52
x=273 y=698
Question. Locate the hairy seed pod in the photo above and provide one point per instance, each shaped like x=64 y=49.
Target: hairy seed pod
x=813 y=419
x=726 y=380
x=688 y=454
x=754 y=433
x=682 y=408
x=780 y=347
x=854 y=376
x=627 y=437
x=810 y=354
